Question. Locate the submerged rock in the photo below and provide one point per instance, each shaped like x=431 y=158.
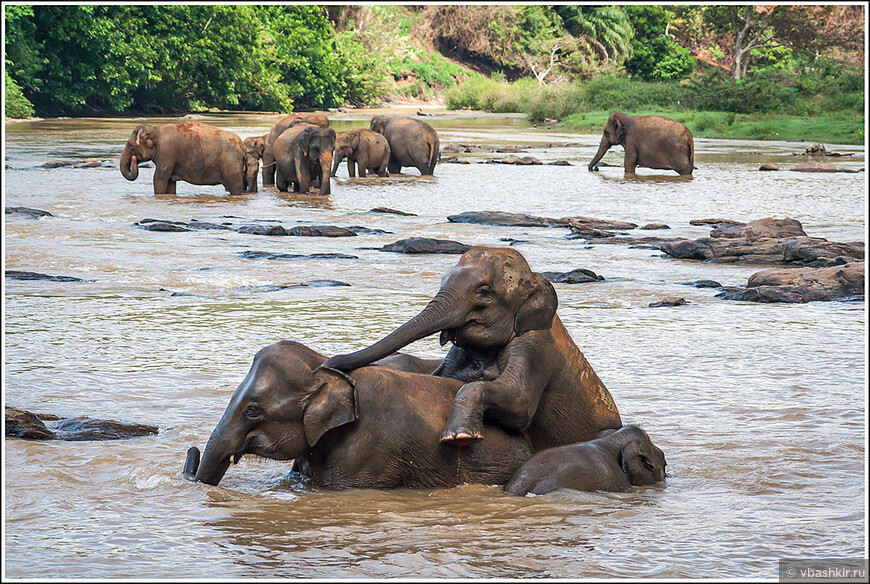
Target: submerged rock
x=703 y=284
x=163 y=226
x=668 y=302
x=761 y=228
x=34 y=213
x=814 y=166
x=715 y=222
x=18 y=275
x=655 y=226
x=844 y=282
x=320 y=231
x=24 y=424
x=768 y=166
x=804 y=251
x=269 y=255
x=426 y=245
x=522 y=220
x=575 y=276
x=392 y=211
x=516 y=160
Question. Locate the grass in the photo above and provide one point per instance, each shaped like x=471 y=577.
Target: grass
x=837 y=128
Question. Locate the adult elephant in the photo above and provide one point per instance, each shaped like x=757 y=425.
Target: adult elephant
x=650 y=141
x=368 y=150
x=616 y=461
x=412 y=143
x=371 y=428
x=192 y=152
x=278 y=128
x=254 y=147
x=303 y=153
x=520 y=367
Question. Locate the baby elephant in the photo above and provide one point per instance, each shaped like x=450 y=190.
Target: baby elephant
x=254 y=148
x=369 y=150
x=616 y=461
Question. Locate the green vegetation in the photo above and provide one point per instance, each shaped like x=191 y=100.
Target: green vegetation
x=549 y=61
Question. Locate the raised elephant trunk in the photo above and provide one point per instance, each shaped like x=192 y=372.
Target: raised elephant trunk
x=129 y=164
x=437 y=316
x=602 y=150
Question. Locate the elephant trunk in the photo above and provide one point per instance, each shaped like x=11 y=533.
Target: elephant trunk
x=129 y=164
x=602 y=150
x=325 y=172
x=436 y=316
x=219 y=452
x=336 y=161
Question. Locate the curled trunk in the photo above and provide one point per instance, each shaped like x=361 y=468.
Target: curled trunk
x=602 y=150
x=437 y=316
x=129 y=164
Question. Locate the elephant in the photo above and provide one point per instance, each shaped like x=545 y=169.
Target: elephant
x=616 y=461
x=254 y=148
x=304 y=153
x=650 y=141
x=518 y=363
x=192 y=152
x=374 y=427
x=369 y=150
x=412 y=143
x=278 y=129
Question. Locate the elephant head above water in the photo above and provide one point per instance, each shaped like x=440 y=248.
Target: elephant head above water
x=520 y=365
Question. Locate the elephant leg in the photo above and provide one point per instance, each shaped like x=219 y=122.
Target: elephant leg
x=350 y=168
x=382 y=169
x=394 y=167
x=280 y=181
x=362 y=162
x=630 y=160
x=170 y=187
x=162 y=175
x=268 y=169
x=236 y=186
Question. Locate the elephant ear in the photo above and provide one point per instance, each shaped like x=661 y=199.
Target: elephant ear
x=620 y=130
x=331 y=405
x=354 y=141
x=149 y=142
x=538 y=309
x=636 y=465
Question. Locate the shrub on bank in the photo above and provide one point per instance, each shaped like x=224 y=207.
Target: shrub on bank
x=17 y=106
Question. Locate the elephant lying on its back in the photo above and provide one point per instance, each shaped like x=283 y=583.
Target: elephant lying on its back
x=370 y=428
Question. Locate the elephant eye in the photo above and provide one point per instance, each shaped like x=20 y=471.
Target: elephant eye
x=253 y=411
x=484 y=291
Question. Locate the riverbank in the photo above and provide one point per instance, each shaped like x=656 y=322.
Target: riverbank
x=840 y=128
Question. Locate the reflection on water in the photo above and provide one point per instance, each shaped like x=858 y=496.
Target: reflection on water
x=759 y=408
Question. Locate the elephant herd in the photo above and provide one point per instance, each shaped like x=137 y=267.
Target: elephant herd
x=297 y=152
x=513 y=403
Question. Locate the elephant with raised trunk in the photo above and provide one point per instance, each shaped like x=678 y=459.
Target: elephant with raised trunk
x=616 y=461
x=520 y=368
x=254 y=147
x=368 y=150
x=303 y=155
x=412 y=143
x=192 y=152
x=370 y=428
x=278 y=128
x=649 y=141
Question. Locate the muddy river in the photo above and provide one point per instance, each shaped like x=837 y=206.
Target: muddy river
x=760 y=408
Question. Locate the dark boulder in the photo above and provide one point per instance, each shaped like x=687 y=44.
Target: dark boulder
x=426 y=245
x=668 y=302
x=320 y=231
x=392 y=211
x=272 y=230
x=576 y=276
x=843 y=282
x=24 y=424
x=17 y=275
x=269 y=255
x=163 y=226
x=803 y=251
x=715 y=222
x=34 y=213
x=506 y=219
x=703 y=284
x=761 y=228
x=560 y=163
x=655 y=226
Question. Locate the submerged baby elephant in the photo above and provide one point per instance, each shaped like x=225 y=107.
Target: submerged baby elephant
x=615 y=462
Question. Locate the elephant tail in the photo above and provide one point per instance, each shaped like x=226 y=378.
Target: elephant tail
x=434 y=154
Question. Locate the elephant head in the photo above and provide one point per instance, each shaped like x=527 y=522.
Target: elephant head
x=379 y=123
x=281 y=409
x=346 y=144
x=312 y=149
x=254 y=149
x=487 y=299
x=641 y=461
x=614 y=133
x=141 y=146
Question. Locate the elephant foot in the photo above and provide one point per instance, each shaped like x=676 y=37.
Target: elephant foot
x=460 y=437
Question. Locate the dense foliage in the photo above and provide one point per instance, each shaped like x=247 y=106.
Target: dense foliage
x=93 y=59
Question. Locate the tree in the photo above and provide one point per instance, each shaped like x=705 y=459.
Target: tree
x=655 y=55
x=607 y=28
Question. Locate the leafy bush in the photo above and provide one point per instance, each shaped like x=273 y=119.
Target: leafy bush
x=17 y=106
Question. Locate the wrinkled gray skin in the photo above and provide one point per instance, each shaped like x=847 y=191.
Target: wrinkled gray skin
x=254 y=148
x=412 y=143
x=278 y=128
x=649 y=141
x=617 y=461
x=521 y=369
x=192 y=152
x=303 y=154
x=368 y=150
x=372 y=428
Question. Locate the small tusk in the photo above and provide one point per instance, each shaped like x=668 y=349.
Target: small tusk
x=232 y=459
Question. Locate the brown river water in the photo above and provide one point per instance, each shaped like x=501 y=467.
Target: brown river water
x=760 y=408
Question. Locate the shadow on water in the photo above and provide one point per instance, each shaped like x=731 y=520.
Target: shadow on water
x=646 y=178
